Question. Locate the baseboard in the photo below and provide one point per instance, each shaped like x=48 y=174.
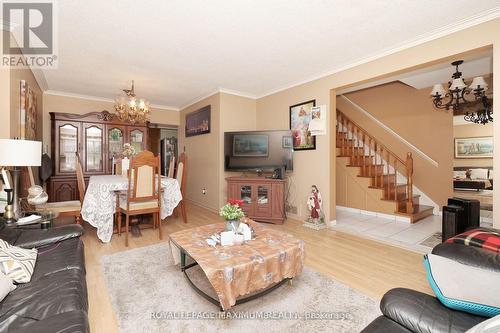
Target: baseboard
x=374 y=214
x=199 y=204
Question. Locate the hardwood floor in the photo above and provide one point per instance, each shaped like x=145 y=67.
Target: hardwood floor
x=366 y=265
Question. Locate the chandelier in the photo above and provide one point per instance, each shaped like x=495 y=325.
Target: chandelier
x=131 y=109
x=459 y=95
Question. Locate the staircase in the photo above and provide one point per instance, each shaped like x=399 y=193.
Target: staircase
x=383 y=170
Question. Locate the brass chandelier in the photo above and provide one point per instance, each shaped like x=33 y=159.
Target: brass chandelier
x=131 y=109
x=459 y=96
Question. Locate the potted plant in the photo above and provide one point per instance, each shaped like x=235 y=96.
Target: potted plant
x=232 y=213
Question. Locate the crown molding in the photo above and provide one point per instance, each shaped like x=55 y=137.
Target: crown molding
x=196 y=100
x=237 y=93
x=102 y=99
x=463 y=24
x=217 y=91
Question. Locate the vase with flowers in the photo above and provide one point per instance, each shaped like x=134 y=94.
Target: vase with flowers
x=127 y=152
x=232 y=213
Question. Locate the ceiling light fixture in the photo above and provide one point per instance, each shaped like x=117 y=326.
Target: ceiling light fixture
x=130 y=108
x=456 y=98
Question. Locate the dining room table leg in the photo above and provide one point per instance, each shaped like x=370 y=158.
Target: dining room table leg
x=126 y=228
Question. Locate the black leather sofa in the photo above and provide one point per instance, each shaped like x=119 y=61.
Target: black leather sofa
x=55 y=300
x=406 y=310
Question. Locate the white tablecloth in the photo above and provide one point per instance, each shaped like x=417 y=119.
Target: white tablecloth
x=99 y=204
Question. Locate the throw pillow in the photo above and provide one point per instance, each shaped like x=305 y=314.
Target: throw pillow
x=459 y=174
x=462 y=287
x=6 y=286
x=479 y=173
x=17 y=263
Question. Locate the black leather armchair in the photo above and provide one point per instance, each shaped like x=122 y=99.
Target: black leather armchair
x=406 y=310
x=55 y=300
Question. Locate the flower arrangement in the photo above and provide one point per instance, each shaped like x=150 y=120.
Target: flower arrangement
x=232 y=210
x=128 y=150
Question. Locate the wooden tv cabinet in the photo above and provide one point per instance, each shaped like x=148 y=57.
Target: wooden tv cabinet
x=264 y=198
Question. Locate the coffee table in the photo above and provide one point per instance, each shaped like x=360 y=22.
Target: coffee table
x=251 y=270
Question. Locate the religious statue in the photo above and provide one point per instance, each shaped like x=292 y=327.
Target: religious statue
x=316 y=220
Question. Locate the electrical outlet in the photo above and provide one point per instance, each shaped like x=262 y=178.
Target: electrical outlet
x=203 y=191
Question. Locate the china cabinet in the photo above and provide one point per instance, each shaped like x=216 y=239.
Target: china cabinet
x=97 y=137
x=263 y=198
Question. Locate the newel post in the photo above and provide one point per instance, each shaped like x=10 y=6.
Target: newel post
x=409 y=182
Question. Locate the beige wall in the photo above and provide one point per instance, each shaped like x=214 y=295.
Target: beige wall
x=203 y=153
x=5 y=103
x=469 y=131
x=310 y=167
x=77 y=105
x=236 y=114
x=409 y=112
x=275 y=106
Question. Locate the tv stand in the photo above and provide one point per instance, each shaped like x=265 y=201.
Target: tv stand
x=263 y=198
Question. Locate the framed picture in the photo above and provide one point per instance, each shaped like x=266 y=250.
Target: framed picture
x=250 y=145
x=478 y=147
x=198 y=122
x=300 y=117
x=287 y=142
x=28 y=112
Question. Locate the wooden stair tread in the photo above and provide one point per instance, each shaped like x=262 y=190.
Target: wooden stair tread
x=417 y=209
x=384 y=187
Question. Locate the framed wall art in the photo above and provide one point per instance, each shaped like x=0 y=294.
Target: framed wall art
x=478 y=147
x=28 y=112
x=300 y=117
x=198 y=122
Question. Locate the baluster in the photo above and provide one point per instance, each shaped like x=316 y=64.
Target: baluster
x=363 y=158
x=387 y=176
x=345 y=137
x=370 y=165
x=377 y=154
x=356 y=144
x=395 y=179
x=409 y=182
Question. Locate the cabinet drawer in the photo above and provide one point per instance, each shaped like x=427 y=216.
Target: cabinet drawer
x=63 y=190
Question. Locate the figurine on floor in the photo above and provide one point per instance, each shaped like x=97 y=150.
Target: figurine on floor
x=316 y=220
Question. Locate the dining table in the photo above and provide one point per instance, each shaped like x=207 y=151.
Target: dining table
x=99 y=203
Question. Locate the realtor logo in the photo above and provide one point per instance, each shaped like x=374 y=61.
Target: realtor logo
x=28 y=34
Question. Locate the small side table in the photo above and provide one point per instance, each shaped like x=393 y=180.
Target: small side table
x=46 y=222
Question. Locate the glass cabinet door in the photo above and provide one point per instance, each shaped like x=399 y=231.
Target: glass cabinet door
x=262 y=195
x=94 y=138
x=68 y=146
x=137 y=140
x=115 y=144
x=246 y=193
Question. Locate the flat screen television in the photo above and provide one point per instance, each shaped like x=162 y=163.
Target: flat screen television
x=258 y=151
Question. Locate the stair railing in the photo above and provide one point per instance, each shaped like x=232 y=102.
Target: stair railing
x=370 y=154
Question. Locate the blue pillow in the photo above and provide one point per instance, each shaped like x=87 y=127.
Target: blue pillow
x=463 y=287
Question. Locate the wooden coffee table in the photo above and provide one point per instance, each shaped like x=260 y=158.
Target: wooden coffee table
x=239 y=273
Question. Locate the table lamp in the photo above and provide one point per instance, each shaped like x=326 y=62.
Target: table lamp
x=17 y=154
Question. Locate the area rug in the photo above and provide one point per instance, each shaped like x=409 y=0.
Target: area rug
x=150 y=294
x=433 y=240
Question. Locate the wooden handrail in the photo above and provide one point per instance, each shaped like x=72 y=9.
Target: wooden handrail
x=353 y=143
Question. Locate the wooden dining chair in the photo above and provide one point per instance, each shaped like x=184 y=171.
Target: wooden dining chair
x=181 y=179
x=74 y=207
x=143 y=193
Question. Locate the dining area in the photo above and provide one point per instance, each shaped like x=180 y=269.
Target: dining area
x=138 y=197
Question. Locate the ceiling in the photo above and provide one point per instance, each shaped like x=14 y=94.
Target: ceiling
x=177 y=51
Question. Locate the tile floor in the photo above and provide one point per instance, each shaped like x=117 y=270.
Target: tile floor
x=397 y=233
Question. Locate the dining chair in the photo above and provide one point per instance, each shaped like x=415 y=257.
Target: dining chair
x=73 y=207
x=171 y=167
x=143 y=193
x=181 y=179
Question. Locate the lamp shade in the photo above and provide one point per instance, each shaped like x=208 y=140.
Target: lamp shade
x=479 y=82
x=458 y=84
x=20 y=152
x=438 y=89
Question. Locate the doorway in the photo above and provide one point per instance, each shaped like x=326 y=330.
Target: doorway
x=164 y=142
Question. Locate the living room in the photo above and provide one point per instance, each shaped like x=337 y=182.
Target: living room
x=235 y=86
